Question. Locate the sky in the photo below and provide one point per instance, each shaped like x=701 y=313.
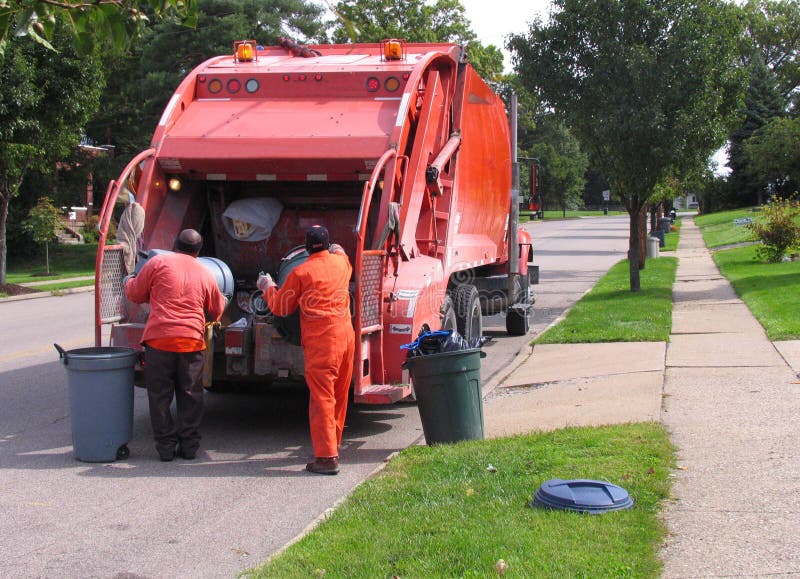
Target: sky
x=493 y=20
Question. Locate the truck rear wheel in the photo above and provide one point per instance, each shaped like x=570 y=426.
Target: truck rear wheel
x=469 y=320
x=518 y=321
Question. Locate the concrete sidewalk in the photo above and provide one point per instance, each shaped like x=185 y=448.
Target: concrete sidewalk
x=728 y=396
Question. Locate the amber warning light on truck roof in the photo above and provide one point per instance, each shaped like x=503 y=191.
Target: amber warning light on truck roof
x=393 y=49
x=245 y=51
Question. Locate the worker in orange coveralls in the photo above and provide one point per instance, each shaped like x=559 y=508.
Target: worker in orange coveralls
x=181 y=292
x=320 y=288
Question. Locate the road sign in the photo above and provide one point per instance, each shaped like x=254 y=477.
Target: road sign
x=606 y=195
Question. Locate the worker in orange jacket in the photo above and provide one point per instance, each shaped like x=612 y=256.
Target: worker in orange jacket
x=320 y=288
x=181 y=292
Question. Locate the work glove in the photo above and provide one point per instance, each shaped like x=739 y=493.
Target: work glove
x=265 y=282
x=336 y=248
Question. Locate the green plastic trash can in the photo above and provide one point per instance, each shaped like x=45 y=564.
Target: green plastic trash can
x=100 y=401
x=449 y=396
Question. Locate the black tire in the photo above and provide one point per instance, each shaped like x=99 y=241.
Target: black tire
x=469 y=320
x=518 y=319
x=123 y=452
x=447 y=314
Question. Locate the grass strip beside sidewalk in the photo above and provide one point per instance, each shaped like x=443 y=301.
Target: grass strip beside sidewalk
x=456 y=510
x=771 y=291
x=611 y=312
x=720 y=229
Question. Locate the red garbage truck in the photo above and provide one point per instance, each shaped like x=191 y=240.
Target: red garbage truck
x=401 y=150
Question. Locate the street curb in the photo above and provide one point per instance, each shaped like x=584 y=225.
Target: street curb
x=33 y=296
x=523 y=355
x=501 y=376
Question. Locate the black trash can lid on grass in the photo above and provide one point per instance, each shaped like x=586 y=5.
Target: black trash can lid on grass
x=582 y=495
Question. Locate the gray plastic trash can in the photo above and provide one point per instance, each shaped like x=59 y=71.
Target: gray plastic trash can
x=449 y=395
x=100 y=401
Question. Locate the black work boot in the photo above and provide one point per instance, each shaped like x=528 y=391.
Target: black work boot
x=324 y=465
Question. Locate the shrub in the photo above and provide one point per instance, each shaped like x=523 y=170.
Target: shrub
x=778 y=228
x=92 y=235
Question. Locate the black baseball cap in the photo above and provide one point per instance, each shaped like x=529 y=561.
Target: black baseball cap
x=317 y=239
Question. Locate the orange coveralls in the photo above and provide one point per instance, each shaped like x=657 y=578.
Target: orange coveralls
x=320 y=287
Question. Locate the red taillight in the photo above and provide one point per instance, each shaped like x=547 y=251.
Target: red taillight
x=201 y=78
x=302 y=77
x=373 y=84
x=317 y=77
x=234 y=86
x=286 y=78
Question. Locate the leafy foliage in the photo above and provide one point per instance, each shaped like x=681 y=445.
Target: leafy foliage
x=44 y=104
x=42 y=223
x=772 y=27
x=141 y=83
x=563 y=163
x=112 y=23
x=778 y=228
x=649 y=87
x=770 y=52
x=774 y=154
x=762 y=104
x=415 y=21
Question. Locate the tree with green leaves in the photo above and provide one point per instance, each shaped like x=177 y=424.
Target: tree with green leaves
x=770 y=52
x=774 y=155
x=563 y=164
x=415 y=21
x=43 y=222
x=110 y=23
x=772 y=31
x=45 y=101
x=649 y=87
x=762 y=104
x=141 y=83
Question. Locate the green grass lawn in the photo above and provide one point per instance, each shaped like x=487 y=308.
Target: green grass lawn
x=441 y=511
x=65 y=261
x=719 y=229
x=555 y=215
x=770 y=290
x=610 y=312
x=671 y=239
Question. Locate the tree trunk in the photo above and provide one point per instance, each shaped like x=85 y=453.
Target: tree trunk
x=642 y=237
x=47 y=257
x=634 y=247
x=4 y=199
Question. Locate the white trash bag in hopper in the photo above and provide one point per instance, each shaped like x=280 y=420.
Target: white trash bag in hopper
x=252 y=219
